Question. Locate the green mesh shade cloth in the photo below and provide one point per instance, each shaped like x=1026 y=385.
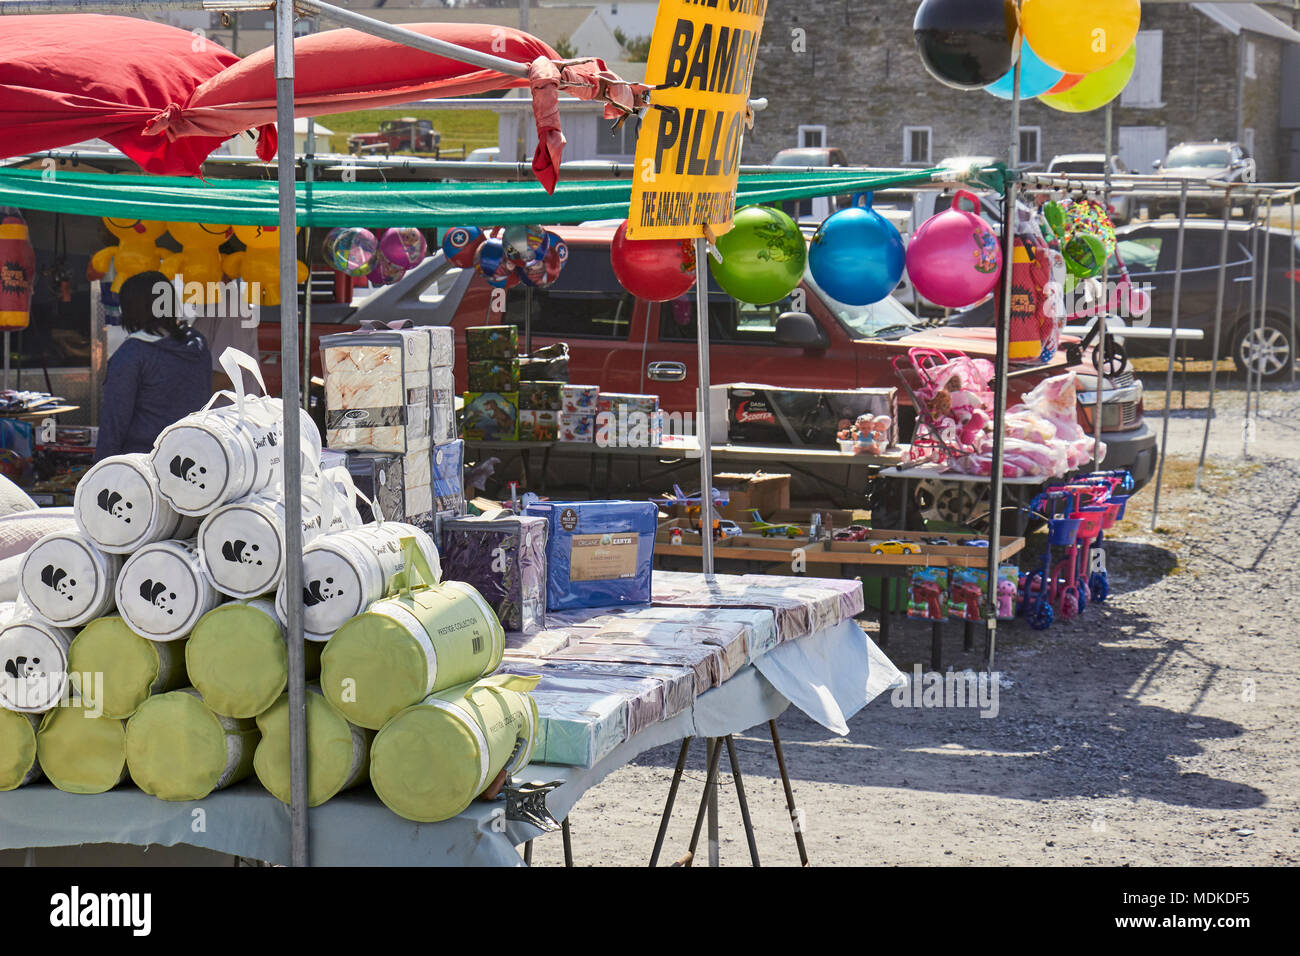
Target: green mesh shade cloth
x=338 y=753
x=238 y=660
x=80 y=752
x=18 y=749
x=178 y=749
x=253 y=202
x=127 y=668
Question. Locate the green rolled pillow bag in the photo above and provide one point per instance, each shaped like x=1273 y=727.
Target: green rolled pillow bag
x=81 y=751
x=18 y=764
x=127 y=668
x=338 y=753
x=422 y=638
x=177 y=748
x=431 y=760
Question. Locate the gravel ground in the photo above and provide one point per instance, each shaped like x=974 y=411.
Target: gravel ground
x=1158 y=729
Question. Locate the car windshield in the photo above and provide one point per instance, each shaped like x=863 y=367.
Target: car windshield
x=800 y=157
x=1080 y=166
x=1197 y=156
x=887 y=318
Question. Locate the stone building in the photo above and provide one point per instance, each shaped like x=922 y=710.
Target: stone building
x=845 y=73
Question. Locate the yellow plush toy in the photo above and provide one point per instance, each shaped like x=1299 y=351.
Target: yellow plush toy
x=259 y=264
x=198 y=261
x=135 y=252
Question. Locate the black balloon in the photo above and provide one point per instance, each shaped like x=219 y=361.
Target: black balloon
x=967 y=44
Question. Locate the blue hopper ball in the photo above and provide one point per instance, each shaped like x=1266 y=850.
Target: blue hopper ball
x=857 y=256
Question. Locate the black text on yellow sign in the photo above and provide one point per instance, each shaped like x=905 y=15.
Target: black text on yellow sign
x=688 y=152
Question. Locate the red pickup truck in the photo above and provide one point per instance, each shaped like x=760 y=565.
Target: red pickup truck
x=625 y=344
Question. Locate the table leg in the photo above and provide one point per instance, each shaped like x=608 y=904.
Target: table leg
x=713 y=753
x=796 y=819
x=528 y=853
x=740 y=797
x=886 y=599
x=672 y=797
x=936 y=647
x=968 y=636
x=568 y=844
x=711 y=791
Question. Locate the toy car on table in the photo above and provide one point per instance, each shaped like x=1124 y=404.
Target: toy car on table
x=854 y=532
x=895 y=547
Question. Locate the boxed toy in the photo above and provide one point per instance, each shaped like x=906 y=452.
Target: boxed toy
x=504 y=558
x=541 y=396
x=612 y=401
x=599 y=553
x=449 y=477
x=576 y=428
x=484 y=342
x=925 y=595
x=538 y=425
x=579 y=399
x=494 y=375
x=966 y=593
x=491 y=416
x=377 y=390
x=809 y=417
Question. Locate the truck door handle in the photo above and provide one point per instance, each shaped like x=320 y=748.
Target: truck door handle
x=666 y=372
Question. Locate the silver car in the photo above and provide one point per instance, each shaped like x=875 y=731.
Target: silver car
x=1095 y=164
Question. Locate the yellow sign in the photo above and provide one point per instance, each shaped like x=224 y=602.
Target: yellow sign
x=688 y=150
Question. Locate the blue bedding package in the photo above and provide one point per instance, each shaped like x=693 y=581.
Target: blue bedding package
x=598 y=553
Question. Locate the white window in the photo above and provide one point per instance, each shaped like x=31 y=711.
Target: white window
x=1251 y=73
x=1146 y=88
x=812 y=136
x=916 y=145
x=1031 y=150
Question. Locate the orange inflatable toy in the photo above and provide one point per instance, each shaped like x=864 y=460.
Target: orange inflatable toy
x=259 y=264
x=135 y=252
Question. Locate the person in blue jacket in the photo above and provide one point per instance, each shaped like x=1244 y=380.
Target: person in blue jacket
x=161 y=373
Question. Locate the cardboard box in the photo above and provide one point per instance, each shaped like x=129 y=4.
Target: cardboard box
x=577 y=428
x=494 y=375
x=538 y=425
x=579 y=399
x=769 y=494
x=484 y=342
x=541 y=396
x=491 y=416
x=796 y=417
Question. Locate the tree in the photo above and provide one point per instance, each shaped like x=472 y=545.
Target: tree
x=638 y=48
x=565 y=49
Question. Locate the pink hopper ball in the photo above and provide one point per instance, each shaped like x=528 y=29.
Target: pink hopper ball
x=954 y=259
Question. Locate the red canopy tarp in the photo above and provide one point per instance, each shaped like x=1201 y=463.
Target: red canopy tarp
x=65 y=79
x=179 y=104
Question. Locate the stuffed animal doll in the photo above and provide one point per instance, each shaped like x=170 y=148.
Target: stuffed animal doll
x=135 y=252
x=198 y=261
x=259 y=265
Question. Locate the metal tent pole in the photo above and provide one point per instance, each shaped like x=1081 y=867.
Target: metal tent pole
x=285 y=173
x=1254 y=302
x=1292 y=284
x=1000 y=377
x=702 y=429
x=1263 y=298
x=1173 y=346
x=1103 y=317
x=1218 y=328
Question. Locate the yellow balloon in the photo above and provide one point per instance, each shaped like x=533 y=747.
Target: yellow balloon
x=1096 y=89
x=1080 y=36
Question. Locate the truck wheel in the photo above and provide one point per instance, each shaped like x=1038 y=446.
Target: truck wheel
x=1266 y=349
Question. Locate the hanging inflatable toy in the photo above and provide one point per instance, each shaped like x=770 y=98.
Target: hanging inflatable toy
x=763 y=256
x=524 y=243
x=258 y=266
x=657 y=270
x=352 y=250
x=403 y=247
x=955 y=258
x=856 y=255
x=494 y=265
x=1089 y=217
x=557 y=254
x=1080 y=36
x=199 y=260
x=17 y=270
x=1036 y=77
x=460 y=243
x=137 y=250
x=967 y=44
